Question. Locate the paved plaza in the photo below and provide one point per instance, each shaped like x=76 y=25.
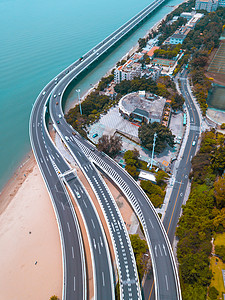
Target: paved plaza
x=112 y=121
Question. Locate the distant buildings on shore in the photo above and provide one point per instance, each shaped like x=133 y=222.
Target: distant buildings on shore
x=209 y=5
x=180 y=34
x=133 y=68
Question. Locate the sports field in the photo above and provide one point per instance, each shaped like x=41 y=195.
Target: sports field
x=217 y=65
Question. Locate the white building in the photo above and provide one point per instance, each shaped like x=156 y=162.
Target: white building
x=128 y=71
x=194 y=20
x=152 y=71
x=208 y=5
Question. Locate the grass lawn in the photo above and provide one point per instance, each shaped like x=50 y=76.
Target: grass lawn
x=217 y=266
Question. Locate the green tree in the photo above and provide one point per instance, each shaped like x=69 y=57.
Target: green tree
x=132 y=170
x=54 y=298
x=220 y=251
x=111 y=145
x=132 y=162
x=177 y=102
x=160 y=177
x=154 y=192
x=137 y=84
x=213 y=293
x=104 y=82
x=142 y=43
x=219 y=192
x=140 y=248
x=164 y=136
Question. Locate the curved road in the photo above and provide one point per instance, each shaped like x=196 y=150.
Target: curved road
x=167 y=282
x=181 y=179
x=61 y=203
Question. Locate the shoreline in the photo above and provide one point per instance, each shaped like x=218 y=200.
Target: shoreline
x=130 y=52
x=16 y=180
x=27 y=220
x=31 y=257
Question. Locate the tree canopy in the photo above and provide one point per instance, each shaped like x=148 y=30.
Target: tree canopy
x=137 y=84
x=164 y=136
x=132 y=162
x=111 y=145
x=140 y=248
x=203 y=214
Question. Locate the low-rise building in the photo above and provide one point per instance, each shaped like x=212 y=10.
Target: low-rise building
x=208 y=5
x=179 y=35
x=142 y=107
x=194 y=20
x=187 y=15
x=128 y=71
x=150 y=53
x=151 y=71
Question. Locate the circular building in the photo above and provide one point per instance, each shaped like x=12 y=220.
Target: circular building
x=142 y=107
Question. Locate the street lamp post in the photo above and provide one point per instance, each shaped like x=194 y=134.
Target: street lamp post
x=78 y=92
x=153 y=149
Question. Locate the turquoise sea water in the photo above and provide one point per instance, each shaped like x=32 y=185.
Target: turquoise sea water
x=38 y=39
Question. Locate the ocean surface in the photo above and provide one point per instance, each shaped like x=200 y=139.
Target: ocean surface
x=38 y=39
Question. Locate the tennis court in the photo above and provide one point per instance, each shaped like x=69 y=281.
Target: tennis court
x=217 y=65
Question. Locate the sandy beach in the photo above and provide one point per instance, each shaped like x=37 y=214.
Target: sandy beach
x=30 y=261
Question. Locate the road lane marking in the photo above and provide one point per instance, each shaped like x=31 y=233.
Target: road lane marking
x=93 y=224
x=56 y=188
x=119 y=225
x=103 y=279
x=167 y=287
x=164 y=248
x=101 y=241
x=85 y=204
x=151 y=289
x=63 y=206
x=94 y=243
x=99 y=250
x=174 y=208
x=74 y=283
x=160 y=250
x=151 y=223
x=156 y=251
x=68 y=226
x=72 y=252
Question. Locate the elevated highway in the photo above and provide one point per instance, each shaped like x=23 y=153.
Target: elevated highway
x=56 y=174
x=165 y=273
x=74 y=275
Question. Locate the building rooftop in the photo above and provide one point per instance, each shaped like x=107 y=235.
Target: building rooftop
x=141 y=112
x=133 y=102
x=151 y=52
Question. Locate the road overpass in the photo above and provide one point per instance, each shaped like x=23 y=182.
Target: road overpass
x=74 y=275
x=52 y=167
x=165 y=273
